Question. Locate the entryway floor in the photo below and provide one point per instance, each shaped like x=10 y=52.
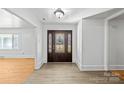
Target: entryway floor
x=68 y=73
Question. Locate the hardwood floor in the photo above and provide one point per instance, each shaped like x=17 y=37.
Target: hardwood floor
x=68 y=73
x=21 y=70
x=15 y=70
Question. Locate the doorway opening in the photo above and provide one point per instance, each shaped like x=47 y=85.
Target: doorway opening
x=59 y=46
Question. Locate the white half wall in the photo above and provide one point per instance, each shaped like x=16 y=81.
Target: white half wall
x=47 y=27
x=93 y=44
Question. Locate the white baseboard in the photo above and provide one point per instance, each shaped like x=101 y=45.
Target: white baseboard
x=38 y=66
x=116 y=67
x=100 y=67
x=78 y=65
x=92 y=68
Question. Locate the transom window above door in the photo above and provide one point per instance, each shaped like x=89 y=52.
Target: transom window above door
x=8 y=41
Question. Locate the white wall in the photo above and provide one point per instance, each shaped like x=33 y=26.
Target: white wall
x=79 y=44
x=27 y=41
x=59 y=27
x=93 y=44
x=116 y=28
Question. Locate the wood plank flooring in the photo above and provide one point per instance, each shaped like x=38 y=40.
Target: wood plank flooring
x=15 y=70
x=68 y=73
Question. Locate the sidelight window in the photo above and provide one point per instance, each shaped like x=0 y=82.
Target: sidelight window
x=69 y=43
x=50 y=42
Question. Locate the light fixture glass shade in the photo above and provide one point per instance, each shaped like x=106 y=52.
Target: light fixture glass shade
x=59 y=13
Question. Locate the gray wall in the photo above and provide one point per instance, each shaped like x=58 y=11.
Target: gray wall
x=93 y=44
x=116 y=59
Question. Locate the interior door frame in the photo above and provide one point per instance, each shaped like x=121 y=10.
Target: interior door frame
x=60 y=31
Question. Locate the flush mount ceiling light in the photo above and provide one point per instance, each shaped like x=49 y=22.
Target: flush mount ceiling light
x=59 y=13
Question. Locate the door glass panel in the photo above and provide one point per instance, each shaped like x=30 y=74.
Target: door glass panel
x=59 y=43
x=69 y=43
x=50 y=43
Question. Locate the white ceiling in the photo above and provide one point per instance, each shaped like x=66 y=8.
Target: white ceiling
x=72 y=15
x=8 y=19
x=48 y=14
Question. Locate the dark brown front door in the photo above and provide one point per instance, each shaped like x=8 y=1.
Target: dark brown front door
x=59 y=46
